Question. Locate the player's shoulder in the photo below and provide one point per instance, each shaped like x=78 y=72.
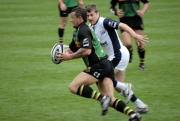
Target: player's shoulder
x=84 y=28
x=101 y=21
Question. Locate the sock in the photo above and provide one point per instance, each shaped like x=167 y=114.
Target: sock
x=141 y=53
x=133 y=98
x=130 y=49
x=120 y=106
x=137 y=101
x=120 y=85
x=88 y=92
x=61 y=33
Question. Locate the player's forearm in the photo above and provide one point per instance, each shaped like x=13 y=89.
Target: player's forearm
x=60 y=2
x=127 y=29
x=113 y=9
x=80 y=53
x=69 y=51
x=80 y=2
x=145 y=7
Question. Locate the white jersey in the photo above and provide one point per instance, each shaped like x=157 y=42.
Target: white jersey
x=105 y=30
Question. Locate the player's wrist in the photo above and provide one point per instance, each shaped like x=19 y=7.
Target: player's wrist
x=113 y=10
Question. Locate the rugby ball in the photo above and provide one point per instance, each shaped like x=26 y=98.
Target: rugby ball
x=58 y=47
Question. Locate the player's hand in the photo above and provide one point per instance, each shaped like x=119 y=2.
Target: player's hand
x=140 y=13
x=81 y=3
x=63 y=56
x=63 y=7
x=141 y=39
x=120 y=13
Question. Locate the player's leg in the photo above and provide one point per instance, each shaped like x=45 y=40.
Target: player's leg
x=126 y=39
x=125 y=89
x=120 y=75
x=77 y=86
x=120 y=70
x=141 y=52
x=80 y=87
x=62 y=23
x=106 y=88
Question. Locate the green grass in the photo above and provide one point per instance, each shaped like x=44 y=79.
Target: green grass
x=32 y=88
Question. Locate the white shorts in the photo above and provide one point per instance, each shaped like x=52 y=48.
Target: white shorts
x=123 y=63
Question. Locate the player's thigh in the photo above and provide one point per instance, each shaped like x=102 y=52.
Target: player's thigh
x=126 y=38
x=82 y=79
x=124 y=60
x=120 y=75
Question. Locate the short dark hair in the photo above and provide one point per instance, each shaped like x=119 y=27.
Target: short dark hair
x=79 y=11
x=91 y=7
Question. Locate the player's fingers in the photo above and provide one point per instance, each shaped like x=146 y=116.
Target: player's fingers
x=143 y=43
x=145 y=36
x=137 y=43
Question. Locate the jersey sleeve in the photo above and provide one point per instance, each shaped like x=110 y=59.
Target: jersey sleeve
x=110 y=24
x=145 y=1
x=85 y=37
x=72 y=46
x=113 y=2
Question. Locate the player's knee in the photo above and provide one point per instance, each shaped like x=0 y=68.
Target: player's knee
x=73 y=88
x=141 y=47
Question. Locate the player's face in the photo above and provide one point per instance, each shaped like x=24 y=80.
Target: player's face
x=75 y=20
x=92 y=17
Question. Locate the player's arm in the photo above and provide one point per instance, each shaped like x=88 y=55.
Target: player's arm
x=84 y=36
x=69 y=51
x=81 y=52
x=80 y=3
x=139 y=38
x=84 y=50
x=113 y=9
x=144 y=8
x=62 y=5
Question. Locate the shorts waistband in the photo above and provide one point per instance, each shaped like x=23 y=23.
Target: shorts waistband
x=105 y=57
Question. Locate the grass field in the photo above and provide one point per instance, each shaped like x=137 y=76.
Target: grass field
x=32 y=88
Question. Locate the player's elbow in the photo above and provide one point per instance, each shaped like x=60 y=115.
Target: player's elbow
x=87 y=52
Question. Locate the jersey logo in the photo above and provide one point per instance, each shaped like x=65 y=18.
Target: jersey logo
x=112 y=24
x=104 y=43
x=103 y=32
x=77 y=44
x=85 y=42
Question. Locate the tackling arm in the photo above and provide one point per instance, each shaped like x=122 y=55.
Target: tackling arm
x=139 y=38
